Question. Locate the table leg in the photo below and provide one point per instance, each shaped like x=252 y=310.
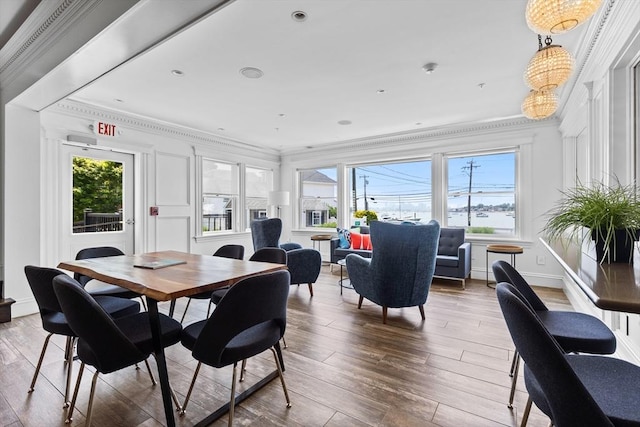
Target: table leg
x=154 y=319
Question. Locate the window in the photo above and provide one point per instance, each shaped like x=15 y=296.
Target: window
x=395 y=192
x=318 y=193
x=481 y=193
x=258 y=183
x=219 y=196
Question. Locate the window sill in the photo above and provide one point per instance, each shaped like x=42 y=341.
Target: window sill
x=221 y=235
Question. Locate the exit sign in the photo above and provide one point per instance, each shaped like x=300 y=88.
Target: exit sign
x=105 y=129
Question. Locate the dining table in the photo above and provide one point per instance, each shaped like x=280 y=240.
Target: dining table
x=166 y=276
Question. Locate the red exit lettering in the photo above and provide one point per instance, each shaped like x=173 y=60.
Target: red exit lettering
x=106 y=129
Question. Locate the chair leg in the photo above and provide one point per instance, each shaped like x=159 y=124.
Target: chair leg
x=279 y=353
x=360 y=301
x=153 y=380
x=384 y=314
x=284 y=342
x=513 y=363
x=311 y=288
x=513 y=383
x=232 y=401
x=70 y=344
x=185 y=310
x=284 y=386
x=209 y=308
x=421 y=307
x=75 y=395
x=144 y=304
x=39 y=365
x=188 y=396
x=93 y=392
x=243 y=369
x=525 y=414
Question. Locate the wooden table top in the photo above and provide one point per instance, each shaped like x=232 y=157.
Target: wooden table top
x=613 y=287
x=200 y=273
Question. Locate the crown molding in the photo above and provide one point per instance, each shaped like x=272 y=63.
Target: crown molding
x=432 y=136
x=202 y=141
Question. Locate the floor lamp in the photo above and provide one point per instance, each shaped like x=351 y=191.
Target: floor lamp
x=278 y=198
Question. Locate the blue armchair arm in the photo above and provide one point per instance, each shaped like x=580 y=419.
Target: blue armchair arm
x=360 y=275
x=290 y=246
x=464 y=255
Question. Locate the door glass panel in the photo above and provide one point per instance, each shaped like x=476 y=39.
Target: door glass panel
x=97 y=195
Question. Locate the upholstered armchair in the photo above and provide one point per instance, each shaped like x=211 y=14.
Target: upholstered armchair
x=400 y=271
x=303 y=263
x=454 y=255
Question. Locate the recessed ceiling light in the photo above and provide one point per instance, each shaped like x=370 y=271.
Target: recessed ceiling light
x=281 y=114
x=344 y=122
x=177 y=73
x=118 y=100
x=299 y=16
x=429 y=67
x=251 y=72
x=380 y=91
x=418 y=123
x=482 y=85
x=220 y=129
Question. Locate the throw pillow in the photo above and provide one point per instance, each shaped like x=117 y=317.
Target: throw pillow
x=356 y=241
x=366 y=242
x=345 y=238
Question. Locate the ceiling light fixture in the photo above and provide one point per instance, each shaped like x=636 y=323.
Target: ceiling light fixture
x=177 y=73
x=559 y=16
x=539 y=104
x=550 y=67
x=251 y=72
x=344 y=122
x=299 y=16
x=429 y=67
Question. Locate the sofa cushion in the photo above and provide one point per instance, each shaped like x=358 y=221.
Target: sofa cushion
x=345 y=238
x=447 y=261
x=341 y=253
x=360 y=241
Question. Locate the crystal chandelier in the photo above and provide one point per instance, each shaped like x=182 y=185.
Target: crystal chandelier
x=539 y=104
x=550 y=67
x=559 y=16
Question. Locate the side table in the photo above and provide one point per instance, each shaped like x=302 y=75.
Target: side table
x=511 y=250
x=343 y=264
x=320 y=238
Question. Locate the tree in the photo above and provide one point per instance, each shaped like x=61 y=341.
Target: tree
x=97 y=185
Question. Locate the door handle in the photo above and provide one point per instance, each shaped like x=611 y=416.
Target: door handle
x=130 y=221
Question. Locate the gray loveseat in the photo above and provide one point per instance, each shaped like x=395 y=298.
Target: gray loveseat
x=453 y=260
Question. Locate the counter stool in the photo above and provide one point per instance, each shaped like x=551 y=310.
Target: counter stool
x=512 y=250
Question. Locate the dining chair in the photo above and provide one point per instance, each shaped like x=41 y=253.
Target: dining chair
x=575 y=332
x=96 y=287
x=105 y=343
x=250 y=319
x=571 y=389
x=225 y=251
x=40 y=281
x=272 y=255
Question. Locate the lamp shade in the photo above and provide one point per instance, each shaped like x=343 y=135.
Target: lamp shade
x=559 y=16
x=539 y=104
x=549 y=68
x=278 y=198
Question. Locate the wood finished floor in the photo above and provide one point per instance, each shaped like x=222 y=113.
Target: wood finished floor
x=343 y=368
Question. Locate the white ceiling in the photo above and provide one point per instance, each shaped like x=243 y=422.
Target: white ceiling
x=330 y=67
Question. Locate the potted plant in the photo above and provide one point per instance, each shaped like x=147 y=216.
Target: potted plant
x=610 y=212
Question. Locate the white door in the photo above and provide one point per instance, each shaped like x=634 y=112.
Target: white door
x=96 y=200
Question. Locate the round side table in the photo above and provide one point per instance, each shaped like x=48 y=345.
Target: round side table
x=320 y=238
x=343 y=264
x=511 y=250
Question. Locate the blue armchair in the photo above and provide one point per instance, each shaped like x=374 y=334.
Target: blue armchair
x=454 y=255
x=400 y=271
x=303 y=263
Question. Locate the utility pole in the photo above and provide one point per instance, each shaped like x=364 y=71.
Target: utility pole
x=366 y=203
x=470 y=173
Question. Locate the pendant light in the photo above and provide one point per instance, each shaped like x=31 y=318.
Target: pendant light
x=559 y=16
x=539 y=104
x=550 y=67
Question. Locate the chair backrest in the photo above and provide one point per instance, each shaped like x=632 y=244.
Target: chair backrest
x=95 y=252
x=266 y=233
x=450 y=240
x=543 y=356
x=258 y=302
x=504 y=272
x=403 y=261
x=41 y=282
x=230 y=251
x=274 y=255
x=102 y=344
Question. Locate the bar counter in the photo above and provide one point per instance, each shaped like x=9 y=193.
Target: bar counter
x=614 y=287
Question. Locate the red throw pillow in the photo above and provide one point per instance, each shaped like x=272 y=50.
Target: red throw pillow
x=356 y=241
x=366 y=242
